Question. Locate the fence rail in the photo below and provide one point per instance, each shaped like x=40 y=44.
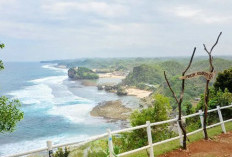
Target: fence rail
x=148 y=126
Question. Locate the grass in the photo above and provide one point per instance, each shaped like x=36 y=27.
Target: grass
x=167 y=147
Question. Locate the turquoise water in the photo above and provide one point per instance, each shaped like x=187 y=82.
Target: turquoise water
x=55 y=108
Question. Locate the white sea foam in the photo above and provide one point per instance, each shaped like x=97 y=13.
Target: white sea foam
x=75 y=113
x=23 y=146
x=35 y=94
x=53 y=96
x=52 y=67
x=50 y=92
x=50 y=80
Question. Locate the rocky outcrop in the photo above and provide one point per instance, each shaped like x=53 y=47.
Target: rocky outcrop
x=82 y=73
x=72 y=72
x=114 y=110
x=121 y=91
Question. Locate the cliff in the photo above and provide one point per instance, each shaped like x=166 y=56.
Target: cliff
x=81 y=73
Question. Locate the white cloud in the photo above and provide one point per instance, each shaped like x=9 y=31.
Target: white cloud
x=198 y=15
x=183 y=11
x=99 y=8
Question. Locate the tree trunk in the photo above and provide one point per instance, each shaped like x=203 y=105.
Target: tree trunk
x=206 y=109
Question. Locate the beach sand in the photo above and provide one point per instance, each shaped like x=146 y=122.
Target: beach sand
x=110 y=75
x=138 y=92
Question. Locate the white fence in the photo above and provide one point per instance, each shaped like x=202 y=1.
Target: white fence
x=148 y=126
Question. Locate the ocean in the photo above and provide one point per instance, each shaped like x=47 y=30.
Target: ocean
x=55 y=107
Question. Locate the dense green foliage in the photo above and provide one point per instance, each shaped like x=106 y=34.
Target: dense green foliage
x=224 y=80
x=82 y=73
x=144 y=74
x=61 y=153
x=10 y=113
x=217 y=98
x=2 y=46
x=158 y=112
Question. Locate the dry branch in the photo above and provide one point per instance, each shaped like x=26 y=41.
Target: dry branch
x=179 y=102
x=206 y=98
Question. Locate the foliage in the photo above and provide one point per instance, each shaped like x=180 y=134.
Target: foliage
x=61 y=153
x=224 y=80
x=172 y=67
x=2 y=46
x=158 y=112
x=10 y=114
x=217 y=98
x=9 y=110
x=174 y=145
x=150 y=74
x=1 y=63
x=82 y=73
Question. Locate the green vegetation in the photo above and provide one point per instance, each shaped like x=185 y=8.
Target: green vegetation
x=9 y=110
x=158 y=112
x=217 y=98
x=10 y=114
x=148 y=74
x=82 y=73
x=101 y=147
x=224 y=80
x=167 y=147
x=61 y=153
x=2 y=46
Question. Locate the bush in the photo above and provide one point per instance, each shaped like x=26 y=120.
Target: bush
x=158 y=112
x=224 y=80
x=61 y=153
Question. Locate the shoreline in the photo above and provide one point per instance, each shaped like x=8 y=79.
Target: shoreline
x=105 y=108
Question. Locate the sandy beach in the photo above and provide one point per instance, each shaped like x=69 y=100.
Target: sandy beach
x=138 y=92
x=110 y=75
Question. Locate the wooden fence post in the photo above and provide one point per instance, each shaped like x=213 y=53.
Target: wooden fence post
x=221 y=119
x=110 y=143
x=149 y=136
x=180 y=132
x=50 y=151
x=202 y=120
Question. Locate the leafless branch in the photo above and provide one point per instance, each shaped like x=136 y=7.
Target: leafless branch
x=183 y=81
x=190 y=62
x=207 y=84
x=216 y=42
x=174 y=95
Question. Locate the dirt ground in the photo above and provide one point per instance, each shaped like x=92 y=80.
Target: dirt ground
x=220 y=146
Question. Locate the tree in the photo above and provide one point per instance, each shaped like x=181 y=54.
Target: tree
x=211 y=70
x=159 y=111
x=224 y=80
x=2 y=46
x=180 y=100
x=10 y=114
x=217 y=97
x=9 y=110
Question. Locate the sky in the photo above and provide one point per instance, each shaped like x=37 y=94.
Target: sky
x=35 y=30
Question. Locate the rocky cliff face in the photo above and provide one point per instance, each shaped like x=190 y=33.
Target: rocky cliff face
x=72 y=72
x=82 y=73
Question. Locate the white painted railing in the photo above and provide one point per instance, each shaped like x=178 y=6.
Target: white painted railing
x=148 y=126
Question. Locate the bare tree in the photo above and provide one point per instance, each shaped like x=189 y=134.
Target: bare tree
x=180 y=100
x=206 y=98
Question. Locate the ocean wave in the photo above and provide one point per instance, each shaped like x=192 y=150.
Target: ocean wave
x=52 y=67
x=23 y=146
x=53 y=94
x=36 y=94
x=75 y=113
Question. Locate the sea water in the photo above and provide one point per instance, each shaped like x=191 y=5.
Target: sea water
x=55 y=108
